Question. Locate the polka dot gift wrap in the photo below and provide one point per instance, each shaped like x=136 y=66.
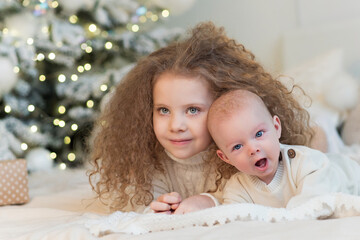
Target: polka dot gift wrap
x=13 y=182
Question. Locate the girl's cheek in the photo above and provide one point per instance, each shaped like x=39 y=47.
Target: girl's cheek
x=206 y=135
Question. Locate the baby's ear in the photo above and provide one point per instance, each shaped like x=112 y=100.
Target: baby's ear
x=222 y=156
x=277 y=125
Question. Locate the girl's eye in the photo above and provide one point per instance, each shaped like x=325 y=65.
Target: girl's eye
x=237 y=147
x=193 y=110
x=164 y=111
x=259 y=133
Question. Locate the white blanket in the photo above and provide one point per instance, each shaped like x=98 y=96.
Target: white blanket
x=323 y=207
x=62 y=208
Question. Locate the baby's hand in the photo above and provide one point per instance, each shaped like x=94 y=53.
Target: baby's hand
x=194 y=203
x=166 y=203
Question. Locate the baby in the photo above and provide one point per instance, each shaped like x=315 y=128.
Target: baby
x=271 y=173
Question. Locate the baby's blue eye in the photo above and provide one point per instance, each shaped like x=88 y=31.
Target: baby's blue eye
x=193 y=110
x=259 y=133
x=237 y=147
x=164 y=111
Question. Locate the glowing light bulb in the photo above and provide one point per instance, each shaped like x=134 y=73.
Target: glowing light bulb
x=56 y=122
x=52 y=56
x=87 y=66
x=42 y=78
x=24 y=146
x=165 y=13
x=74 y=127
x=90 y=103
x=61 y=78
x=83 y=46
x=135 y=28
x=62 y=123
x=45 y=30
x=33 y=128
x=103 y=87
x=71 y=157
x=61 y=109
x=40 y=57
x=92 y=28
x=80 y=69
x=74 y=77
x=88 y=49
x=108 y=45
x=67 y=140
x=142 y=19
x=30 y=41
x=31 y=108
x=53 y=155
x=62 y=166
x=73 y=19
x=54 y=4
x=16 y=69
x=7 y=109
x=26 y=3
x=154 y=18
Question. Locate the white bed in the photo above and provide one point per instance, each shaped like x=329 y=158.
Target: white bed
x=60 y=209
x=62 y=205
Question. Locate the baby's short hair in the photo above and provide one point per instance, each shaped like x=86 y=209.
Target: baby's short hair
x=231 y=101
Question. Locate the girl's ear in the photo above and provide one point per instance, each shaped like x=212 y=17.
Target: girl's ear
x=277 y=125
x=222 y=156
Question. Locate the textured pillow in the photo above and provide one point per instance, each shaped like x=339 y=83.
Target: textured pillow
x=332 y=90
x=324 y=79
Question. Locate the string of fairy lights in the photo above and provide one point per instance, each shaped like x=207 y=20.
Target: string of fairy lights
x=40 y=7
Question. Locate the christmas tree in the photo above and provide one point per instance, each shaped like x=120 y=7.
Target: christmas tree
x=59 y=61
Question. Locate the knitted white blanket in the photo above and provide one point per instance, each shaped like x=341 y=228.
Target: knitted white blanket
x=335 y=205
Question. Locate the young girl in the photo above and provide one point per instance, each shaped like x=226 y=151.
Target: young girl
x=151 y=141
x=271 y=173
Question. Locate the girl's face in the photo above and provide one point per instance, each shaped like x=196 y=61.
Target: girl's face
x=181 y=105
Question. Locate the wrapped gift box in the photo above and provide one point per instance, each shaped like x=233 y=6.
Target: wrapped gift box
x=13 y=182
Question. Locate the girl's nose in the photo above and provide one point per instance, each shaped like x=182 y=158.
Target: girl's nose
x=177 y=123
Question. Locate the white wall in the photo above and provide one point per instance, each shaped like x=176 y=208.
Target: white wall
x=261 y=24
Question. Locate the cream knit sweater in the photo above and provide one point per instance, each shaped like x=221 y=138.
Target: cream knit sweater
x=300 y=176
x=185 y=176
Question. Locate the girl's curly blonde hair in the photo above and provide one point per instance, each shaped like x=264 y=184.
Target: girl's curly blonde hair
x=125 y=152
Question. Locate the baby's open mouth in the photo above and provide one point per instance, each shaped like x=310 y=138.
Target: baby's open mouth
x=261 y=163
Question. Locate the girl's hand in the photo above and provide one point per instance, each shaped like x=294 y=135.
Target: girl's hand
x=166 y=203
x=194 y=203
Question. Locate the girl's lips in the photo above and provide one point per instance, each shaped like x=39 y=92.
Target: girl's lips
x=262 y=164
x=180 y=141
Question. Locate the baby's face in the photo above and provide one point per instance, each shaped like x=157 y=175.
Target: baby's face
x=249 y=140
